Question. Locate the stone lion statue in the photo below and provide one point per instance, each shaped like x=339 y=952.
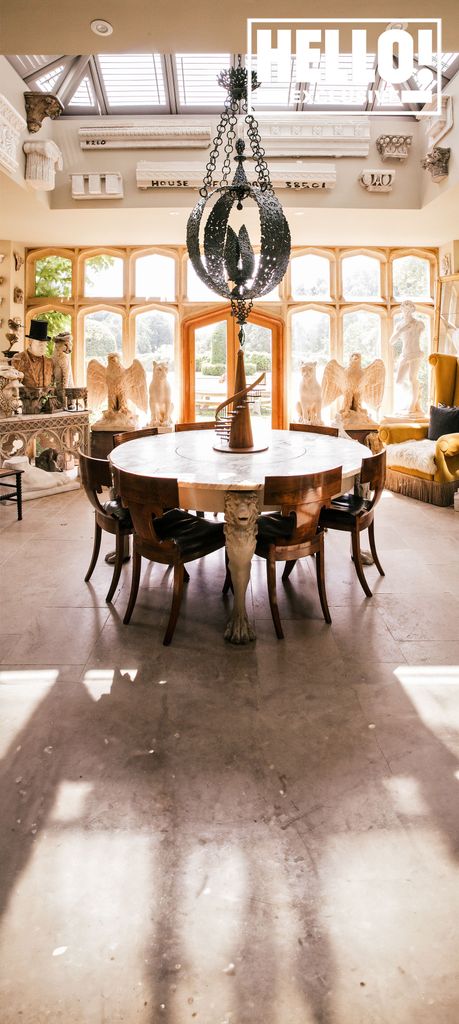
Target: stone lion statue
x=160 y=397
x=309 y=406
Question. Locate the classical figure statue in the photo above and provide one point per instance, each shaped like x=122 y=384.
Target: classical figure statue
x=357 y=384
x=409 y=333
x=118 y=385
x=63 y=377
x=309 y=406
x=10 y=398
x=160 y=397
x=36 y=366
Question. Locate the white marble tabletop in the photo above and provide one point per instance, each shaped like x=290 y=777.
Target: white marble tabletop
x=204 y=475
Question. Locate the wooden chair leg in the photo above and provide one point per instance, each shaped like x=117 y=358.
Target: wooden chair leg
x=288 y=569
x=136 y=567
x=228 y=584
x=95 y=552
x=371 y=537
x=176 y=601
x=320 y=573
x=272 y=594
x=358 y=561
x=119 y=559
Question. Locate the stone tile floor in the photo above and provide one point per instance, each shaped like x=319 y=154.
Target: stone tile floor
x=259 y=835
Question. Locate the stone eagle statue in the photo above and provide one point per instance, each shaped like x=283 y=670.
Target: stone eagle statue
x=119 y=386
x=357 y=384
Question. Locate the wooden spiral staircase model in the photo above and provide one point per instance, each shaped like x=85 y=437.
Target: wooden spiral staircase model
x=232 y=417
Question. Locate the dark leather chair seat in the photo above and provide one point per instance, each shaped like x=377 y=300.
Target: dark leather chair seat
x=189 y=532
x=348 y=505
x=273 y=527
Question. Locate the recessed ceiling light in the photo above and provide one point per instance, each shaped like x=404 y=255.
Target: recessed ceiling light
x=101 y=27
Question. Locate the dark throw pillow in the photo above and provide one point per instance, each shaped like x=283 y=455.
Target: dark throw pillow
x=444 y=419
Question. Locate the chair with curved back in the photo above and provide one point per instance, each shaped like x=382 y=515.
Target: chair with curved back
x=315 y=428
x=170 y=538
x=295 y=532
x=352 y=513
x=131 y=435
x=109 y=517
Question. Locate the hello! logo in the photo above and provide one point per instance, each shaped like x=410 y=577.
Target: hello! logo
x=304 y=63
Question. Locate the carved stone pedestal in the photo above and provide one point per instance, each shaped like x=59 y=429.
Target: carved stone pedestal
x=242 y=509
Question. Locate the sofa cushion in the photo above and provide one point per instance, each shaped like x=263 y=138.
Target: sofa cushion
x=444 y=419
x=417 y=455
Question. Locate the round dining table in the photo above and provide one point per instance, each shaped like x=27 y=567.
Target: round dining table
x=233 y=483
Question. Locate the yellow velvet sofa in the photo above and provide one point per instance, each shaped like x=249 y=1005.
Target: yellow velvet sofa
x=438 y=485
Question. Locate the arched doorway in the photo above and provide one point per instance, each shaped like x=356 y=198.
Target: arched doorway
x=210 y=345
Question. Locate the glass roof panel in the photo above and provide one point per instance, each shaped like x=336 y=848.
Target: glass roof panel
x=48 y=81
x=197 y=78
x=26 y=65
x=134 y=82
x=84 y=95
x=133 y=79
x=276 y=93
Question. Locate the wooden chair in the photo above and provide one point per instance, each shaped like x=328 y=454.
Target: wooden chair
x=353 y=514
x=130 y=435
x=14 y=490
x=170 y=538
x=198 y=425
x=313 y=428
x=295 y=532
x=109 y=517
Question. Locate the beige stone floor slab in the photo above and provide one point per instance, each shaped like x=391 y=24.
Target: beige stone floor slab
x=208 y=834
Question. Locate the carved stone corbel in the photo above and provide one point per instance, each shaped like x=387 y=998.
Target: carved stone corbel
x=39 y=105
x=436 y=161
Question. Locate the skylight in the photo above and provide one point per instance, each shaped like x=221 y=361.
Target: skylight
x=133 y=79
x=197 y=78
x=49 y=80
x=136 y=83
x=84 y=95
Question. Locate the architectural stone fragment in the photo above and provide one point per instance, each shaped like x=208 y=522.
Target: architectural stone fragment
x=40 y=105
x=42 y=157
x=394 y=147
x=377 y=180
